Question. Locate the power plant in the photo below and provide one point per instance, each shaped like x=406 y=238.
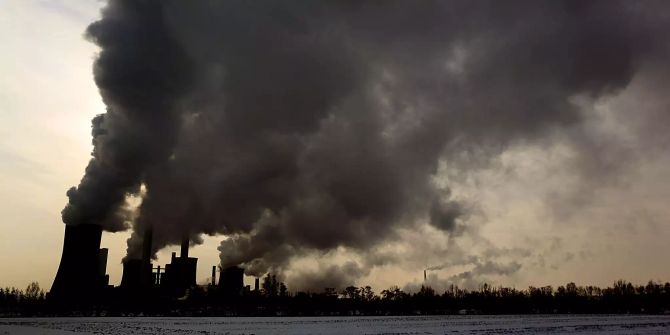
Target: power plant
x=82 y=274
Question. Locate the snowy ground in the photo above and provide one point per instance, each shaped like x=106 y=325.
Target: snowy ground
x=542 y=324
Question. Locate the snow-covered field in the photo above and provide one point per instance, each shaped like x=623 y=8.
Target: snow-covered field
x=541 y=324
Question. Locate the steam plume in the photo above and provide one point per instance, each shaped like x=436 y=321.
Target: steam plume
x=303 y=126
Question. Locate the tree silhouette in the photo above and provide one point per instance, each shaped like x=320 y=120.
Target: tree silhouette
x=276 y=299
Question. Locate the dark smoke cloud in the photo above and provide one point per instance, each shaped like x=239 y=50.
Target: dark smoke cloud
x=300 y=126
x=141 y=73
x=445 y=215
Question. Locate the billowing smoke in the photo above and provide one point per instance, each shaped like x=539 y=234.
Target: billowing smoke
x=141 y=73
x=304 y=126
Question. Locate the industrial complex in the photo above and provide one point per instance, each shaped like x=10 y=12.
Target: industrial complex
x=82 y=274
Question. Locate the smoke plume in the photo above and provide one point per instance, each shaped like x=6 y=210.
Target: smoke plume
x=304 y=126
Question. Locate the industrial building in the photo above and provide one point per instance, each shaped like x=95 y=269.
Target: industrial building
x=180 y=273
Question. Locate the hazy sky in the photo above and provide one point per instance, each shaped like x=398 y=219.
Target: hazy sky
x=538 y=212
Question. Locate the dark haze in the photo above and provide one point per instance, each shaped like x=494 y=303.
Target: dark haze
x=299 y=127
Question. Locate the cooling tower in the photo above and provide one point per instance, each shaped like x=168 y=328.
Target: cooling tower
x=80 y=273
x=232 y=281
x=137 y=272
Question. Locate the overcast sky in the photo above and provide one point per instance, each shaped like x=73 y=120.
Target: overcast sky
x=538 y=213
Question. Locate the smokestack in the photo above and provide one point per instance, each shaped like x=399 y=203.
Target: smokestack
x=145 y=267
x=424 y=275
x=146 y=246
x=213 y=275
x=256 y=284
x=184 y=247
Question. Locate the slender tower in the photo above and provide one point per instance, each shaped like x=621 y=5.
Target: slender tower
x=184 y=246
x=145 y=272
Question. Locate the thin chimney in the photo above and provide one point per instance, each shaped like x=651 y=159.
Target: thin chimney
x=145 y=263
x=213 y=275
x=146 y=246
x=184 y=246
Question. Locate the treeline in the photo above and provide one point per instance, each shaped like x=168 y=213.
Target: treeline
x=275 y=299
x=621 y=297
x=17 y=301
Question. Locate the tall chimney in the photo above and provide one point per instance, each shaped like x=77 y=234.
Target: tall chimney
x=184 y=246
x=213 y=275
x=424 y=275
x=145 y=267
x=146 y=246
x=256 y=284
